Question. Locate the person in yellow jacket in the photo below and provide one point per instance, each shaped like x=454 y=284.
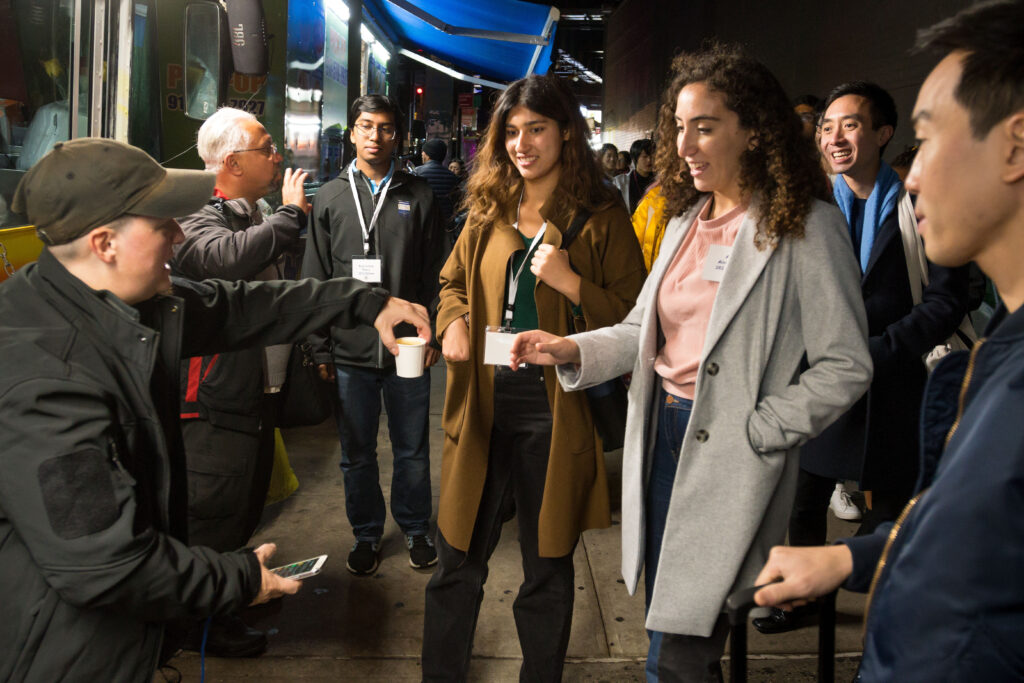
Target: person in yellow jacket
x=649 y=223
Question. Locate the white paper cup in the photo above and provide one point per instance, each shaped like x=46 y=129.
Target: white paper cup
x=409 y=362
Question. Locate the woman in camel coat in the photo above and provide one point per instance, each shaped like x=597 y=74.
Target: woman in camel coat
x=517 y=437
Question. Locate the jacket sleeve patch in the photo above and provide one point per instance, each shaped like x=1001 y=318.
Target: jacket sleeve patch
x=78 y=494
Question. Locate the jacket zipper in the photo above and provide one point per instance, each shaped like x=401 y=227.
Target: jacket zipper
x=898 y=525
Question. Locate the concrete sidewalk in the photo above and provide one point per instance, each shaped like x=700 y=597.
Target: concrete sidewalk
x=342 y=627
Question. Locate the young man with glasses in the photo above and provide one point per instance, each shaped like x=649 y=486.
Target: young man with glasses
x=378 y=223
x=228 y=399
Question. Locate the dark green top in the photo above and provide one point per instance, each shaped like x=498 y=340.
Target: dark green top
x=524 y=316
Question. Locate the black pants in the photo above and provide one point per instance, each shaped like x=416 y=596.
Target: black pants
x=693 y=659
x=808 y=522
x=228 y=476
x=516 y=470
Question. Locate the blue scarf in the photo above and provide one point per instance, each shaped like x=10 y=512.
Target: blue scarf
x=880 y=205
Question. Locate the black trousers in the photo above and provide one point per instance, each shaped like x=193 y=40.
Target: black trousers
x=808 y=521
x=228 y=477
x=693 y=659
x=516 y=470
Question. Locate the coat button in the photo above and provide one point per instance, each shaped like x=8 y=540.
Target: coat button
x=174 y=308
x=712 y=369
x=701 y=435
x=143 y=338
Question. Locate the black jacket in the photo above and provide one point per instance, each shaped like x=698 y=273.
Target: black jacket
x=92 y=515
x=222 y=242
x=407 y=235
x=877 y=438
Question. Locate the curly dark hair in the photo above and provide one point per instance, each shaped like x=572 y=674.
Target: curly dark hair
x=494 y=185
x=782 y=166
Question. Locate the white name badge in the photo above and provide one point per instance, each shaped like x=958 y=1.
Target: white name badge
x=497 y=346
x=367 y=269
x=715 y=262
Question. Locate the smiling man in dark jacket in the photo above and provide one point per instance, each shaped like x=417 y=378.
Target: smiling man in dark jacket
x=93 y=558
x=947 y=598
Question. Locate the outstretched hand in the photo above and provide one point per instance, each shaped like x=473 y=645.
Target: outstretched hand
x=271 y=585
x=397 y=311
x=806 y=573
x=538 y=347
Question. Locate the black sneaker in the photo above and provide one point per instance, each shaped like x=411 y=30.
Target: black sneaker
x=227 y=637
x=421 y=551
x=364 y=557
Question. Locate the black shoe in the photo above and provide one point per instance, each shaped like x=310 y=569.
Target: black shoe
x=421 y=551
x=227 y=637
x=781 y=622
x=364 y=557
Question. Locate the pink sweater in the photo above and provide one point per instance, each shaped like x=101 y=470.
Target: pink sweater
x=685 y=299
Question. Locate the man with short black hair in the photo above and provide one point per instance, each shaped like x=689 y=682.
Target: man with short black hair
x=94 y=561
x=442 y=181
x=379 y=224
x=634 y=183
x=876 y=441
x=947 y=597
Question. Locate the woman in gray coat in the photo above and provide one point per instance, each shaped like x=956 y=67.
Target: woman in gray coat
x=748 y=338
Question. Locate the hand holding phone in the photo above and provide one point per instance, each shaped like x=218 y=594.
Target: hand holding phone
x=302 y=569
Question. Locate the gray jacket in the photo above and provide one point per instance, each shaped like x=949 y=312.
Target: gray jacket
x=753 y=407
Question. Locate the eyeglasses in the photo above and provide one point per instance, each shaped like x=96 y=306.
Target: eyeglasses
x=269 y=150
x=386 y=132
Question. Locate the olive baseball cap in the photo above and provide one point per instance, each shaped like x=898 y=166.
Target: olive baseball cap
x=85 y=183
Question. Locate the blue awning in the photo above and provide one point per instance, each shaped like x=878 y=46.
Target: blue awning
x=502 y=40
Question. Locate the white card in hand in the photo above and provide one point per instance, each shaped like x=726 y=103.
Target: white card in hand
x=498 y=347
x=715 y=262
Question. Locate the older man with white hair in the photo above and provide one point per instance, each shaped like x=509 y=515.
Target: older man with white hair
x=228 y=400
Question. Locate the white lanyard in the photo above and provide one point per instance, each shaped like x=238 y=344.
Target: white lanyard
x=359 y=209
x=513 y=280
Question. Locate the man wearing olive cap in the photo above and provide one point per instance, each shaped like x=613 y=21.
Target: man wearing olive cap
x=93 y=555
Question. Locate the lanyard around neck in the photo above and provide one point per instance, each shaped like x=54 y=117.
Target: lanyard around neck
x=359 y=209
x=513 y=280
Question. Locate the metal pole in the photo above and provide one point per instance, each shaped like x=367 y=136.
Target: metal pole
x=355 y=61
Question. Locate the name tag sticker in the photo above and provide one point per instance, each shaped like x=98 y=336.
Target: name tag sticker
x=367 y=268
x=497 y=346
x=403 y=207
x=715 y=262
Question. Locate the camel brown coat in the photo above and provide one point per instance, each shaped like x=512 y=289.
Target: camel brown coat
x=474 y=280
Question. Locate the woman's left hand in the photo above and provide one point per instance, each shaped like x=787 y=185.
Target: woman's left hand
x=551 y=266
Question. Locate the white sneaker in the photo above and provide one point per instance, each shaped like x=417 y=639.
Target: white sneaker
x=842 y=505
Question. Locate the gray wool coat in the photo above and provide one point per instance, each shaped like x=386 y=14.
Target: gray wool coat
x=753 y=407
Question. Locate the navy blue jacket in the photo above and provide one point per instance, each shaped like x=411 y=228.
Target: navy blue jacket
x=876 y=440
x=444 y=183
x=949 y=604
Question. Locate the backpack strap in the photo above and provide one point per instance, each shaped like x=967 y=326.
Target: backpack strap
x=581 y=217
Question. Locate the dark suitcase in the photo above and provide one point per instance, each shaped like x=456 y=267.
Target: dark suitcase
x=738 y=606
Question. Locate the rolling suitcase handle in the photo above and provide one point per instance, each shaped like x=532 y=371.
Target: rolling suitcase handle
x=738 y=606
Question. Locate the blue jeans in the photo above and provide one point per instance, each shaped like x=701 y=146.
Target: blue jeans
x=673 y=416
x=357 y=414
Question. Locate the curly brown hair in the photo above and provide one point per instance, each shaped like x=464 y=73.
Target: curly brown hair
x=782 y=166
x=495 y=184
